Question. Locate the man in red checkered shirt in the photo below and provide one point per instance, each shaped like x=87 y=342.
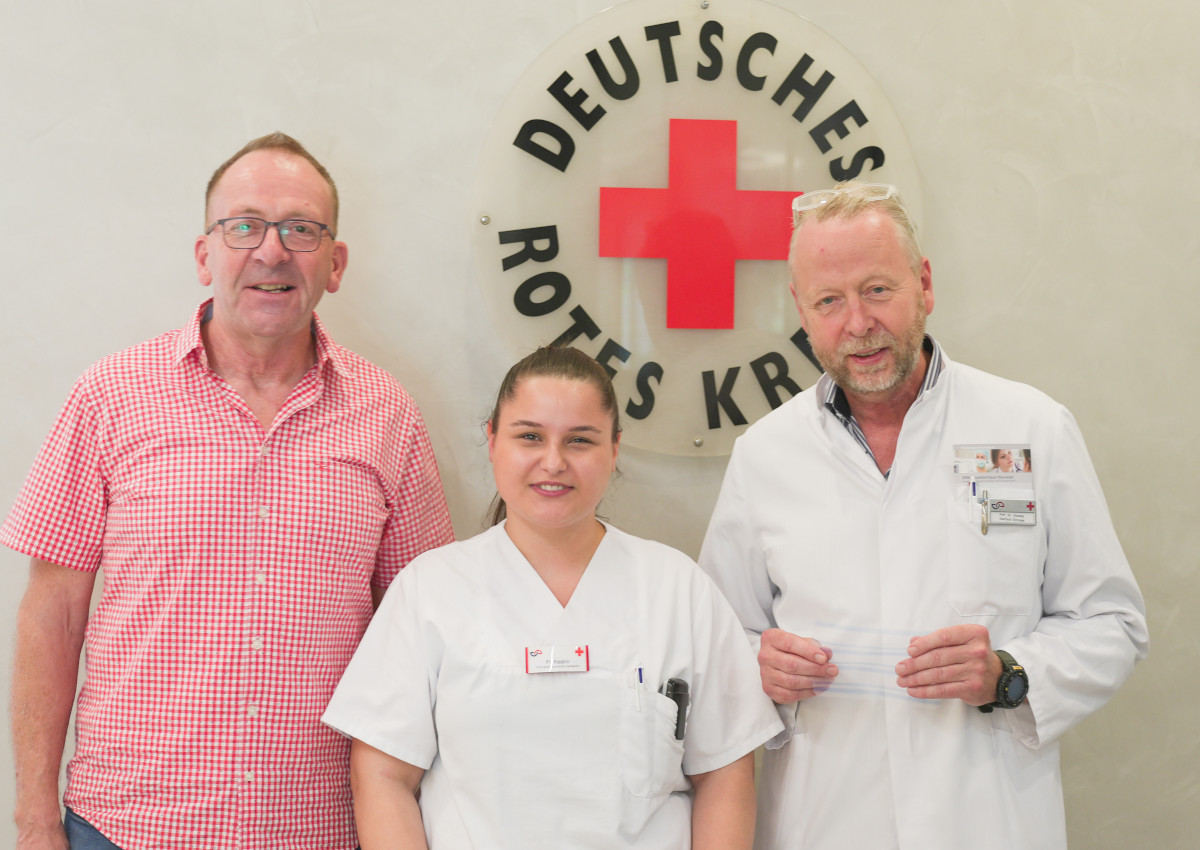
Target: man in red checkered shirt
x=250 y=489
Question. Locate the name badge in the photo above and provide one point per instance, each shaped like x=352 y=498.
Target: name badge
x=1012 y=511
x=999 y=479
x=557 y=659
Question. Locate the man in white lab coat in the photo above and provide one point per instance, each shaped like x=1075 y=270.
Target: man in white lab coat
x=927 y=628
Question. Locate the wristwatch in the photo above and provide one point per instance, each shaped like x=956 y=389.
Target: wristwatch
x=1012 y=685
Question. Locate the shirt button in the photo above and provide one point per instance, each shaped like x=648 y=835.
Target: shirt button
x=262 y=450
x=260 y=578
x=257 y=643
x=263 y=512
x=252 y=711
x=249 y=775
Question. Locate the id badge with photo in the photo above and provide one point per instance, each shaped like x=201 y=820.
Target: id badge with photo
x=999 y=478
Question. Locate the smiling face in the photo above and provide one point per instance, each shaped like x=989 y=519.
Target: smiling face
x=862 y=303
x=553 y=453
x=268 y=294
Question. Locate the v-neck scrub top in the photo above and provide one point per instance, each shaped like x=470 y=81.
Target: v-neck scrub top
x=571 y=759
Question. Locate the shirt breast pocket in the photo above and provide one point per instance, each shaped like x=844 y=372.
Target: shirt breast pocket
x=340 y=512
x=998 y=573
x=651 y=759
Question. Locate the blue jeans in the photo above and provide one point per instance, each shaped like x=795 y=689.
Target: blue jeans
x=81 y=835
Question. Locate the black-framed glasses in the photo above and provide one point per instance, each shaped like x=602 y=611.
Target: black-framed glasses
x=247 y=232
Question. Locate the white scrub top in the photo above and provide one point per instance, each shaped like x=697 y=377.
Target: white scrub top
x=572 y=759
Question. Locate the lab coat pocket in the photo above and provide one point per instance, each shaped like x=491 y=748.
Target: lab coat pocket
x=994 y=573
x=651 y=760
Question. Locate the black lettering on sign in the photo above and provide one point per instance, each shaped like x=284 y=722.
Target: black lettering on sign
x=872 y=154
x=758 y=41
x=526 y=140
x=771 y=384
x=800 y=340
x=582 y=324
x=836 y=123
x=716 y=400
x=560 y=291
x=617 y=91
x=712 y=30
x=642 y=409
x=809 y=93
x=663 y=33
x=573 y=103
x=528 y=236
x=608 y=351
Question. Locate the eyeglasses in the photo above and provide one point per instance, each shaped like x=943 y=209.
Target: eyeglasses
x=246 y=232
x=868 y=192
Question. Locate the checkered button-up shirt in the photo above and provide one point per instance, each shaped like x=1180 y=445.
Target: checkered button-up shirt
x=238 y=566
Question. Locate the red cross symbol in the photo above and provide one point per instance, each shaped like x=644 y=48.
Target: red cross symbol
x=579 y=650
x=1029 y=507
x=701 y=223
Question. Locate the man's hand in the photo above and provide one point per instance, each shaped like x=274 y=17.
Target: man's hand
x=50 y=837
x=956 y=662
x=792 y=667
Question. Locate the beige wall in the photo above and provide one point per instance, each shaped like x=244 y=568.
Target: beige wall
x=1059 y=145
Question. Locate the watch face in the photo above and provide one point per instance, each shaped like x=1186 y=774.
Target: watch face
x=1016 y=689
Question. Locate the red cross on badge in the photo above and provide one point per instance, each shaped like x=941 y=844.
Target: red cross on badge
x=579 y=650
x=702 y=224
x=1029 y=507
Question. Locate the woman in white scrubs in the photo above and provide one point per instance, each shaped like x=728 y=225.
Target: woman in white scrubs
x=517 y=676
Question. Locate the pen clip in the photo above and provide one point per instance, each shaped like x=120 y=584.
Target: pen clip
x=987 y=507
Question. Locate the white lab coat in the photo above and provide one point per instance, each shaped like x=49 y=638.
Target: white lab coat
x=576 y=760
x=809 y=536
